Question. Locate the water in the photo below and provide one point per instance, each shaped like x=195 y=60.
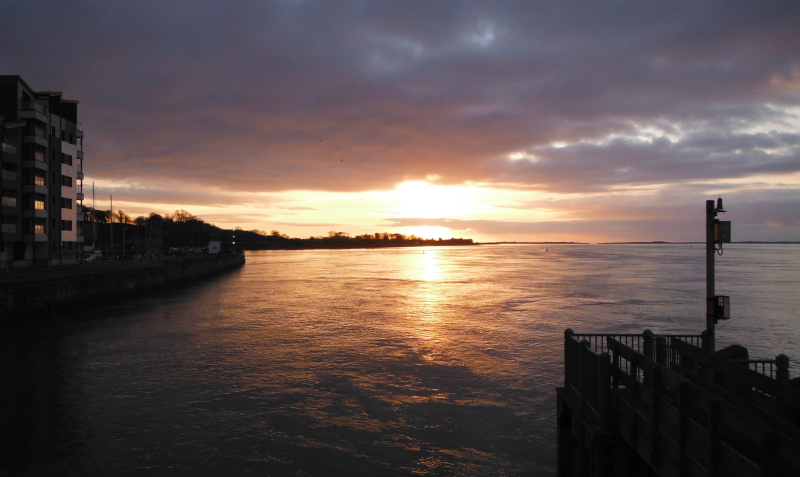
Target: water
x=435 y=361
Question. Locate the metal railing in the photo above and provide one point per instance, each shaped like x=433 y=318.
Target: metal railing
x=31 y=106
x=9 y=149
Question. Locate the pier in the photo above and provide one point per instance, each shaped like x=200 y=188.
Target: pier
x=648 y=405
x=35 y=292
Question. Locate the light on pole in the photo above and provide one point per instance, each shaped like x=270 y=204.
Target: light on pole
x=717 y=306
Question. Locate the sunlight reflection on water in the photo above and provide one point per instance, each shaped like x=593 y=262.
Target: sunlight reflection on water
x=420 y=361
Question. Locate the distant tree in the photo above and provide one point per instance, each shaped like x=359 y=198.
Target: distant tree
x=121 y=217
x=139 y=221
x=182 y=216
x=275 y=233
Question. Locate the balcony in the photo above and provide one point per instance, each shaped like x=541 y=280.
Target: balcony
x=32 y=106
x=9 y=201
x=79 y=196
x=79 y=176
x=9 y=228
x=35 y=164
x=9 y=175
x=32 y=110
x=34 y=188
x=38 y=214
x=9 y=149
x=35 y=139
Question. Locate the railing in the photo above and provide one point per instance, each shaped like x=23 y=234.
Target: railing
x=643 y=343
x=9 y=149
x=767 y=367
x=31 y=106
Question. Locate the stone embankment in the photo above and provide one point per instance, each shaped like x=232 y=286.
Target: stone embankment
x=34 y=292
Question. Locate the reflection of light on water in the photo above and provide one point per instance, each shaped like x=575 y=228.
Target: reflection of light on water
x=431 y=269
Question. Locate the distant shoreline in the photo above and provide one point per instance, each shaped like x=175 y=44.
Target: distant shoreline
x=654 y=242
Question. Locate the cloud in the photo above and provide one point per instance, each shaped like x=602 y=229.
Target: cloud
x=247 y=97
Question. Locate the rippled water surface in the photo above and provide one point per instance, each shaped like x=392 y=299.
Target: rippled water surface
x=418 y=361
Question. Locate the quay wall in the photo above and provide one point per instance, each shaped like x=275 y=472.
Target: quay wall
x=90 y=285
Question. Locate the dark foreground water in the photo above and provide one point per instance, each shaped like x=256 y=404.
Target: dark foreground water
x=436 y=361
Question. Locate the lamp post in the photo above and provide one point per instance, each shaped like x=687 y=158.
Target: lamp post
x=717 y=307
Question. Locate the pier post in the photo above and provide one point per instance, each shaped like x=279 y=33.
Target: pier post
x=782 y=363
x=661 y=351
x=647 y=347
x=604 y=391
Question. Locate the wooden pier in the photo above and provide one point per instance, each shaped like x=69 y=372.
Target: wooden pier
x=647 y=405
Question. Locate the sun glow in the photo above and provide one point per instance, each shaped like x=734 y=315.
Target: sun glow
x=422 y=200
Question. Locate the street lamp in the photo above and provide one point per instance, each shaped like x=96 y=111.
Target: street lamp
x=717 y=306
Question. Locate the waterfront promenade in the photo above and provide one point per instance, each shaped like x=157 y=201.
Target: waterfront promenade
x=25 y=292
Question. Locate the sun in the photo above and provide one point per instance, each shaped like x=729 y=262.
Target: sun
x=427 y=201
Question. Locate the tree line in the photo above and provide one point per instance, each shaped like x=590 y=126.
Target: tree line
x=182 y=229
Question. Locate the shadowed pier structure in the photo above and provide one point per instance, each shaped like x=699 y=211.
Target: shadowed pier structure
x=647 y=405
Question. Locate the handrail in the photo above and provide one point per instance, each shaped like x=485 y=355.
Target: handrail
x=739 y=379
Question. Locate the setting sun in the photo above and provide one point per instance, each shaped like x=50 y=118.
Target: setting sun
x=419 y=199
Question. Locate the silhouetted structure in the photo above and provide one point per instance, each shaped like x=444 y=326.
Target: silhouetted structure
x=42 y=176
x=647 y=405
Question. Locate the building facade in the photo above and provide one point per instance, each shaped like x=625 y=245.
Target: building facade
x=42 y=176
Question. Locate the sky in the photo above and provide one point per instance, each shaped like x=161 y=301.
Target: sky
x=497 y=121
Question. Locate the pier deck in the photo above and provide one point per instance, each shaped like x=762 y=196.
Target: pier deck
x=642 y=405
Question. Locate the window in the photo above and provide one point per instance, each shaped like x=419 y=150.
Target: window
x=39 y=225
x=66 y=225
x=9 y=198
x=66 y=181
x=39 y=201
x=66 y=159
x=38 y=155
x=39 y=181
x=52 y=130
x=66 y=203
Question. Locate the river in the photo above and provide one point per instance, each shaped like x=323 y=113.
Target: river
x=406 y=361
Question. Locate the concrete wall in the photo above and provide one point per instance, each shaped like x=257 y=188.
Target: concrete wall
x=90 y=287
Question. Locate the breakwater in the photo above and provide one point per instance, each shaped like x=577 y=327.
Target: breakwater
x=35 y=292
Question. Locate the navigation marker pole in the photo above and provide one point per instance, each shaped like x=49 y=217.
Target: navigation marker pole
x=717 y=307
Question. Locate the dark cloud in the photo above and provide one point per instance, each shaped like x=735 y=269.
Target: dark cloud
x=250 y=96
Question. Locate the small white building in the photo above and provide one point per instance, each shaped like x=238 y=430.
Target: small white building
x=214 y=244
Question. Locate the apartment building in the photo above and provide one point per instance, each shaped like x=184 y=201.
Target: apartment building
x=42 y=176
